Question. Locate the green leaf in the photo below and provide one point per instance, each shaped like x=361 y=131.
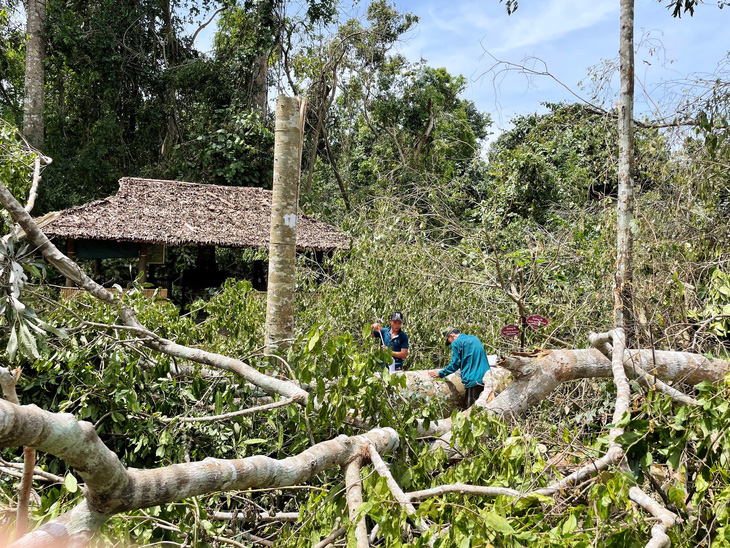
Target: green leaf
x=254 y=441
x=314 y=340
x=677 y=496
x=70 y=483
x=532 y=499
x=498 y=523
x=570 y=525
x=27 y=342
x=218 y=403
x=674 y=457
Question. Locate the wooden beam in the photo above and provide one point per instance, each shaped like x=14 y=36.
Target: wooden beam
x=142 y=271
x=71 y=254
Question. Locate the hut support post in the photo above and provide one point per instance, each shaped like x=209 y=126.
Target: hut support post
x=71 y=254
x=282 y=242
x=142 y=269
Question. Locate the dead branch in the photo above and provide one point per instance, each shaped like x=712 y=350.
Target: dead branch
x=232 y=414
x=263 y=517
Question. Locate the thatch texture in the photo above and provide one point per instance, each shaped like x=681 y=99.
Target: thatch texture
x=177 y=213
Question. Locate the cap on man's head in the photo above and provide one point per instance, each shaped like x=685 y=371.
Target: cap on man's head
x=396 y=317
x=449 y=331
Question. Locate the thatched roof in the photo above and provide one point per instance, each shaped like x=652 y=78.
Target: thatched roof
x=177 y=213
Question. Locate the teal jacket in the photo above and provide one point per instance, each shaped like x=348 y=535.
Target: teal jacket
x=467 y=354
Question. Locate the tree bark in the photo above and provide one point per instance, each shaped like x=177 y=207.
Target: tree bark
x=623 y=291
x=260 y=88
x=34 y=101
x=282 y=242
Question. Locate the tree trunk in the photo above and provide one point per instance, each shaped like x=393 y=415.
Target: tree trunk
x=623 y=315
x=260 y=89
x=282 y=242
x=34 y=75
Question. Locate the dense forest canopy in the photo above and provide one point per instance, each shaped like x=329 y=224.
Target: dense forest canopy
x=321 y=446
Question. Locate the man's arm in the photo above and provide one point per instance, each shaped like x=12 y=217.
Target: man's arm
x=453 y=365
x=455 y=362
x=401 y=353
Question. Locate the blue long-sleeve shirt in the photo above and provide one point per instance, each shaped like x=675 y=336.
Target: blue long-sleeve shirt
x=467 y=354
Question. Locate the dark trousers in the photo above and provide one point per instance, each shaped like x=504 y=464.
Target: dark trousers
x=472 y=394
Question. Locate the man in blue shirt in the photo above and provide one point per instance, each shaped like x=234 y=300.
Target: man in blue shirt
x=392 y=337
x=467 y=354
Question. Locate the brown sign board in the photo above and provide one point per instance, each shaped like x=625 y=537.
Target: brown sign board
x=510 y=330
x=536 y=321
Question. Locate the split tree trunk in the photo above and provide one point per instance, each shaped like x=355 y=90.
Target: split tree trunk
x=34 y=75
x=623 y=297
x=282 y=242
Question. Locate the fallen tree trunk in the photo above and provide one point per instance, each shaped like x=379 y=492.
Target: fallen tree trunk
x=110 y=488
x=536 y=377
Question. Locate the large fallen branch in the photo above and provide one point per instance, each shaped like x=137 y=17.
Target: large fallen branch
x=110 y=488
x=72 y=271
x=353 y=495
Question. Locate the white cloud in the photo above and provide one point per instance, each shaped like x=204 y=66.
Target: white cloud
x=550 y=21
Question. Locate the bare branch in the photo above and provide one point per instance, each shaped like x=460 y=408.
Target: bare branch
x=208 y=22
x=353 y=484
x=329 y=540
x=263 y=517
x=382 y=469
x=463 y=489
x=232 y=414
x=659 y=537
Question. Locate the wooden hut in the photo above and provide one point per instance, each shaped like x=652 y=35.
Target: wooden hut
x=146 y=215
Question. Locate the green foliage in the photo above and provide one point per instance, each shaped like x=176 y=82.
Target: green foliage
x=12 y=65
x=564 y=159
x=717 y=309
x=233 y=149
x=16 y=161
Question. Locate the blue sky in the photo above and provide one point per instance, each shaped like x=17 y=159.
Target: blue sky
x=566 y=37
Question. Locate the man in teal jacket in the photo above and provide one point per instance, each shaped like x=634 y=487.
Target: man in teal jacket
x=467 y=354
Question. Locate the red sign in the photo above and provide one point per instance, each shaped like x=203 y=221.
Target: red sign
x=536 y=321
x=510 y=330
